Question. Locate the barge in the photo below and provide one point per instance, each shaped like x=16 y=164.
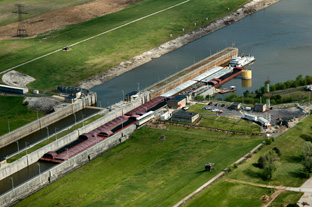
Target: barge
x=219 y=81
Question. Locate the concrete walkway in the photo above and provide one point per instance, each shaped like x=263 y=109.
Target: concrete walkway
x=307 y=196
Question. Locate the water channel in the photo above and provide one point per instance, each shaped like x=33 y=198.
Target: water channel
x=280 y=37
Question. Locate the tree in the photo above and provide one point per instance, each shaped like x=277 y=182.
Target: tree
x=268 y=171
x=307 y=156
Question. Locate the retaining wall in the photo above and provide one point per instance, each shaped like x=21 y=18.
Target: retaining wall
x=66 y=167
x=47 y=120
x=33 y=157
x=193 y=71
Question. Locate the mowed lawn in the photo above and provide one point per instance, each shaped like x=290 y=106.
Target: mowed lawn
x=288 y=173
x=103 y=52
x=14 y=114
x=144 y=171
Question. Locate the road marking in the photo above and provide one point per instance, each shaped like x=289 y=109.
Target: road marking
x=74 y=44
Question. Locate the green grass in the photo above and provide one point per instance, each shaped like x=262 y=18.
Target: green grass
x=144 y=171
x=285 y=198
x=101 y=53
x=231 y=124
x=227 y=194
x=32 y=8
x=52 y=139
x=289 y=168
x=13 y=111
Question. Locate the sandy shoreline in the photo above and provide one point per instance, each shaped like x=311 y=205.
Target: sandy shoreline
x=249 y=8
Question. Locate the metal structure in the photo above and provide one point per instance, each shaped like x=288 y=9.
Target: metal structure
x=268 y=100
x=21 y=30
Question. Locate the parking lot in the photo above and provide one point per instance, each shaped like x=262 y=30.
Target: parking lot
x=222 y=109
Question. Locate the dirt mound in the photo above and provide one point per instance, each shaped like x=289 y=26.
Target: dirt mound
x=15 y=78
x=61 y=18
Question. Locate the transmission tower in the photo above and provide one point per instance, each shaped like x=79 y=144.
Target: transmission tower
x=21 y=30
x=268 y=100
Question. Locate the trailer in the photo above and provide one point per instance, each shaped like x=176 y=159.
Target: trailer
x=250 y=117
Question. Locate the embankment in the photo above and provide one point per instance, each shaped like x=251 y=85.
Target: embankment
x=249 y=8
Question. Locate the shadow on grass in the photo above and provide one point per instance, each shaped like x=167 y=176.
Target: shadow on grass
x=294 y=159
x=253 y=174
x=298 y=174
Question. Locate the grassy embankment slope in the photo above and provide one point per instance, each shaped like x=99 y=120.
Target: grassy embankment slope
x=101 y=53
x=289 y=173
x=145 y=171
x=13 y=110
x=32 y=8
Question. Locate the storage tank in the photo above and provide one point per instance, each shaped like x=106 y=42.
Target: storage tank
x=246 y=74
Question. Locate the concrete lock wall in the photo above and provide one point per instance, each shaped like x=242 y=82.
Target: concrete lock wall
x=194 y=70
x=61 y=170
x=46 y=120
x=33 y=157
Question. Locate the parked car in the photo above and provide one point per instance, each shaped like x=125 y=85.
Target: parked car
x=185 y=108
x=215 y=110
x=222 y=105
x=210 y=103
x=220 y=112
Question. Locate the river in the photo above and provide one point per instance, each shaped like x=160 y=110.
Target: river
x=280 y=37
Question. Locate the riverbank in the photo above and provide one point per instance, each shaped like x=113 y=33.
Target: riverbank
x=247 y=9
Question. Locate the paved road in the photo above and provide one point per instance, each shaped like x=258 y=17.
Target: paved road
x=14 y=67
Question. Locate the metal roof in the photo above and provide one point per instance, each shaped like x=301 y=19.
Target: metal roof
x=205 y=77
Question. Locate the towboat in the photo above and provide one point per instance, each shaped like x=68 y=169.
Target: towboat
x=241 y=61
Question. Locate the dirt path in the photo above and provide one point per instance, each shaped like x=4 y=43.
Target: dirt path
x=58 y=19
x=272 y=197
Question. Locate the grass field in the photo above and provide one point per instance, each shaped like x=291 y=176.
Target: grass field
x=144 y=171
x=227 y=194
x=13 y=111
x=101 y=53
x=225 y=123
x=289 y=168
x=33 y=8
x=289 y=173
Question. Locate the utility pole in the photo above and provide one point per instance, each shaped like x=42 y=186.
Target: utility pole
x=21 y=30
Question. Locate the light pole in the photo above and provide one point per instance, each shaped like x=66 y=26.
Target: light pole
x=17 y=146
x=67 y=152
x=55 y=133
x=82 y=120
x=26 y=146
x=75 y=117
x=39 y=167
x=47 y=131
x=12 y=183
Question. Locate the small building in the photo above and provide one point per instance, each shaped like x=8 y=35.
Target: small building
x=131 y=96
x=73 y=97
x=250 y=117
x=177 y=102
x=287 y=121
x=13 y=89
x=264 y=122
x=235 y=106
x=259 y=107
x=165 y=116
x=184 y=116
